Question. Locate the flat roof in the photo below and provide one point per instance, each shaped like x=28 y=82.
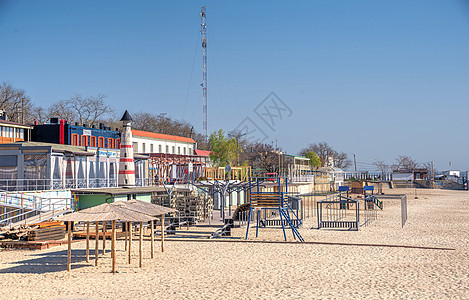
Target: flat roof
x=120 y=190
x=55 y=147
x=14 y=124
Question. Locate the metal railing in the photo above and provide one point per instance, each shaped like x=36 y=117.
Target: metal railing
x=17 y=185
x=37 y=206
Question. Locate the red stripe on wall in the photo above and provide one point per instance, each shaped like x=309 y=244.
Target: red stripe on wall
x=126 y=160
x=126 y=146
x=127 y=172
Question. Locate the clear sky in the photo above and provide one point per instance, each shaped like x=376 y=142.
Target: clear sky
x=374 y=78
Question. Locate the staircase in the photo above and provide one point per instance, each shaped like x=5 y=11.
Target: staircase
x=36 y=210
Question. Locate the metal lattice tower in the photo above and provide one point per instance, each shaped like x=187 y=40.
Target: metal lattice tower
x=203 y=31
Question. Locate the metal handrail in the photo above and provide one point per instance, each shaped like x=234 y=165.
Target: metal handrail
x=64 y=202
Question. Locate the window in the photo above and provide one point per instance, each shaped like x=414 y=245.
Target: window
x=173 y=152
x=135 y=147
x=151 y=148
x=92 y=141
x=75 y=141
x=143 y=147
x=11 y=132
x=190 y=151
x=167 y=149
x=110 y=143
x=159 y=148
x=179 y=150
x=21 y=133
x=84 y=140
x=184 y=150
x=1 y=131
x=100 y=142
x=118 y=143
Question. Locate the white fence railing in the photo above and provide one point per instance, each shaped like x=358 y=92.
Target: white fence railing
x=16 y=185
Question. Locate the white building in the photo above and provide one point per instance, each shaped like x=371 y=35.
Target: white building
x=150 y=142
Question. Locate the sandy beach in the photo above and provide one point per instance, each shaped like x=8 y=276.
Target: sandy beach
x=209 y=269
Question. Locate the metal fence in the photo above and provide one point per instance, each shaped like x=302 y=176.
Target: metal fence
x=337 y=211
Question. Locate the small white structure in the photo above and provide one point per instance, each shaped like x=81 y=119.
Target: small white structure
x=452 y=173
x=151 y=142
x=126 y=160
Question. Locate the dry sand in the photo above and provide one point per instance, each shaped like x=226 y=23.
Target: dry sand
x=239 y=270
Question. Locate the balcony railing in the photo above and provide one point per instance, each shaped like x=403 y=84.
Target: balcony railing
x=17 y=185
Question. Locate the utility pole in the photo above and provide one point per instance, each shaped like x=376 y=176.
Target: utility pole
x=355 y=162
x=203 y=31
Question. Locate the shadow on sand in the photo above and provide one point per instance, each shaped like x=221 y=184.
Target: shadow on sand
x=56 y=261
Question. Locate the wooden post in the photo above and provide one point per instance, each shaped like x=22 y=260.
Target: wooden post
x=130 y=240
x=104 y=237
x=152 y=238
x=162 y=233
x=140 y=245
x=113 y=246
x=96 y=249
x=126 y=234
x=69 y=254
x=87 y=242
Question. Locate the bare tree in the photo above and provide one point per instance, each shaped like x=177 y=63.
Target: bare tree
x=404 y=163
x=382 y=166
x=16 y=104
x=327 y=155
x=84 y=110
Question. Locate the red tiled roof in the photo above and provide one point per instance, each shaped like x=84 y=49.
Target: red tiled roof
x=162 y=136
x=202 y=152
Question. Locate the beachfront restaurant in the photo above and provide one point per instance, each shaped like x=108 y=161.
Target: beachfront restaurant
x=34 y=166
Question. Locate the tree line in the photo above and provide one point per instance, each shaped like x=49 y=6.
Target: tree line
x=231 y=148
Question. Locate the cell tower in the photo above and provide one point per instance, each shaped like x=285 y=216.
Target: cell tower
x=203 y=31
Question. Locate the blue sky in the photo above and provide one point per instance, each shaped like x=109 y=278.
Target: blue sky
x=374 y=78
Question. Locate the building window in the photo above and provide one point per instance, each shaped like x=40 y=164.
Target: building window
x=184 y=150
x=151 y=148
x=92 y=141
x=190 y=151
x=100 y=142
x=135 y=147
x=21 y=133
x=159 y=148
x=110 y=143
x=167 y=149
x=75 y=139
x=118 y=143
x=1 y=131
x=84 y=140
x=143 y=148
x=174 y=151
x=179 y=150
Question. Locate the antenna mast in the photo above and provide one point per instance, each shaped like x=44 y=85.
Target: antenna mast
x=203 y=31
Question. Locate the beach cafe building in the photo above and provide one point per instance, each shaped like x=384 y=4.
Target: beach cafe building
x=34 y=166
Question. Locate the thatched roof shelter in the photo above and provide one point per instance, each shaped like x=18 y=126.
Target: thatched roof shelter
x=102 y=213
x=106 y=212
x=144 y=207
